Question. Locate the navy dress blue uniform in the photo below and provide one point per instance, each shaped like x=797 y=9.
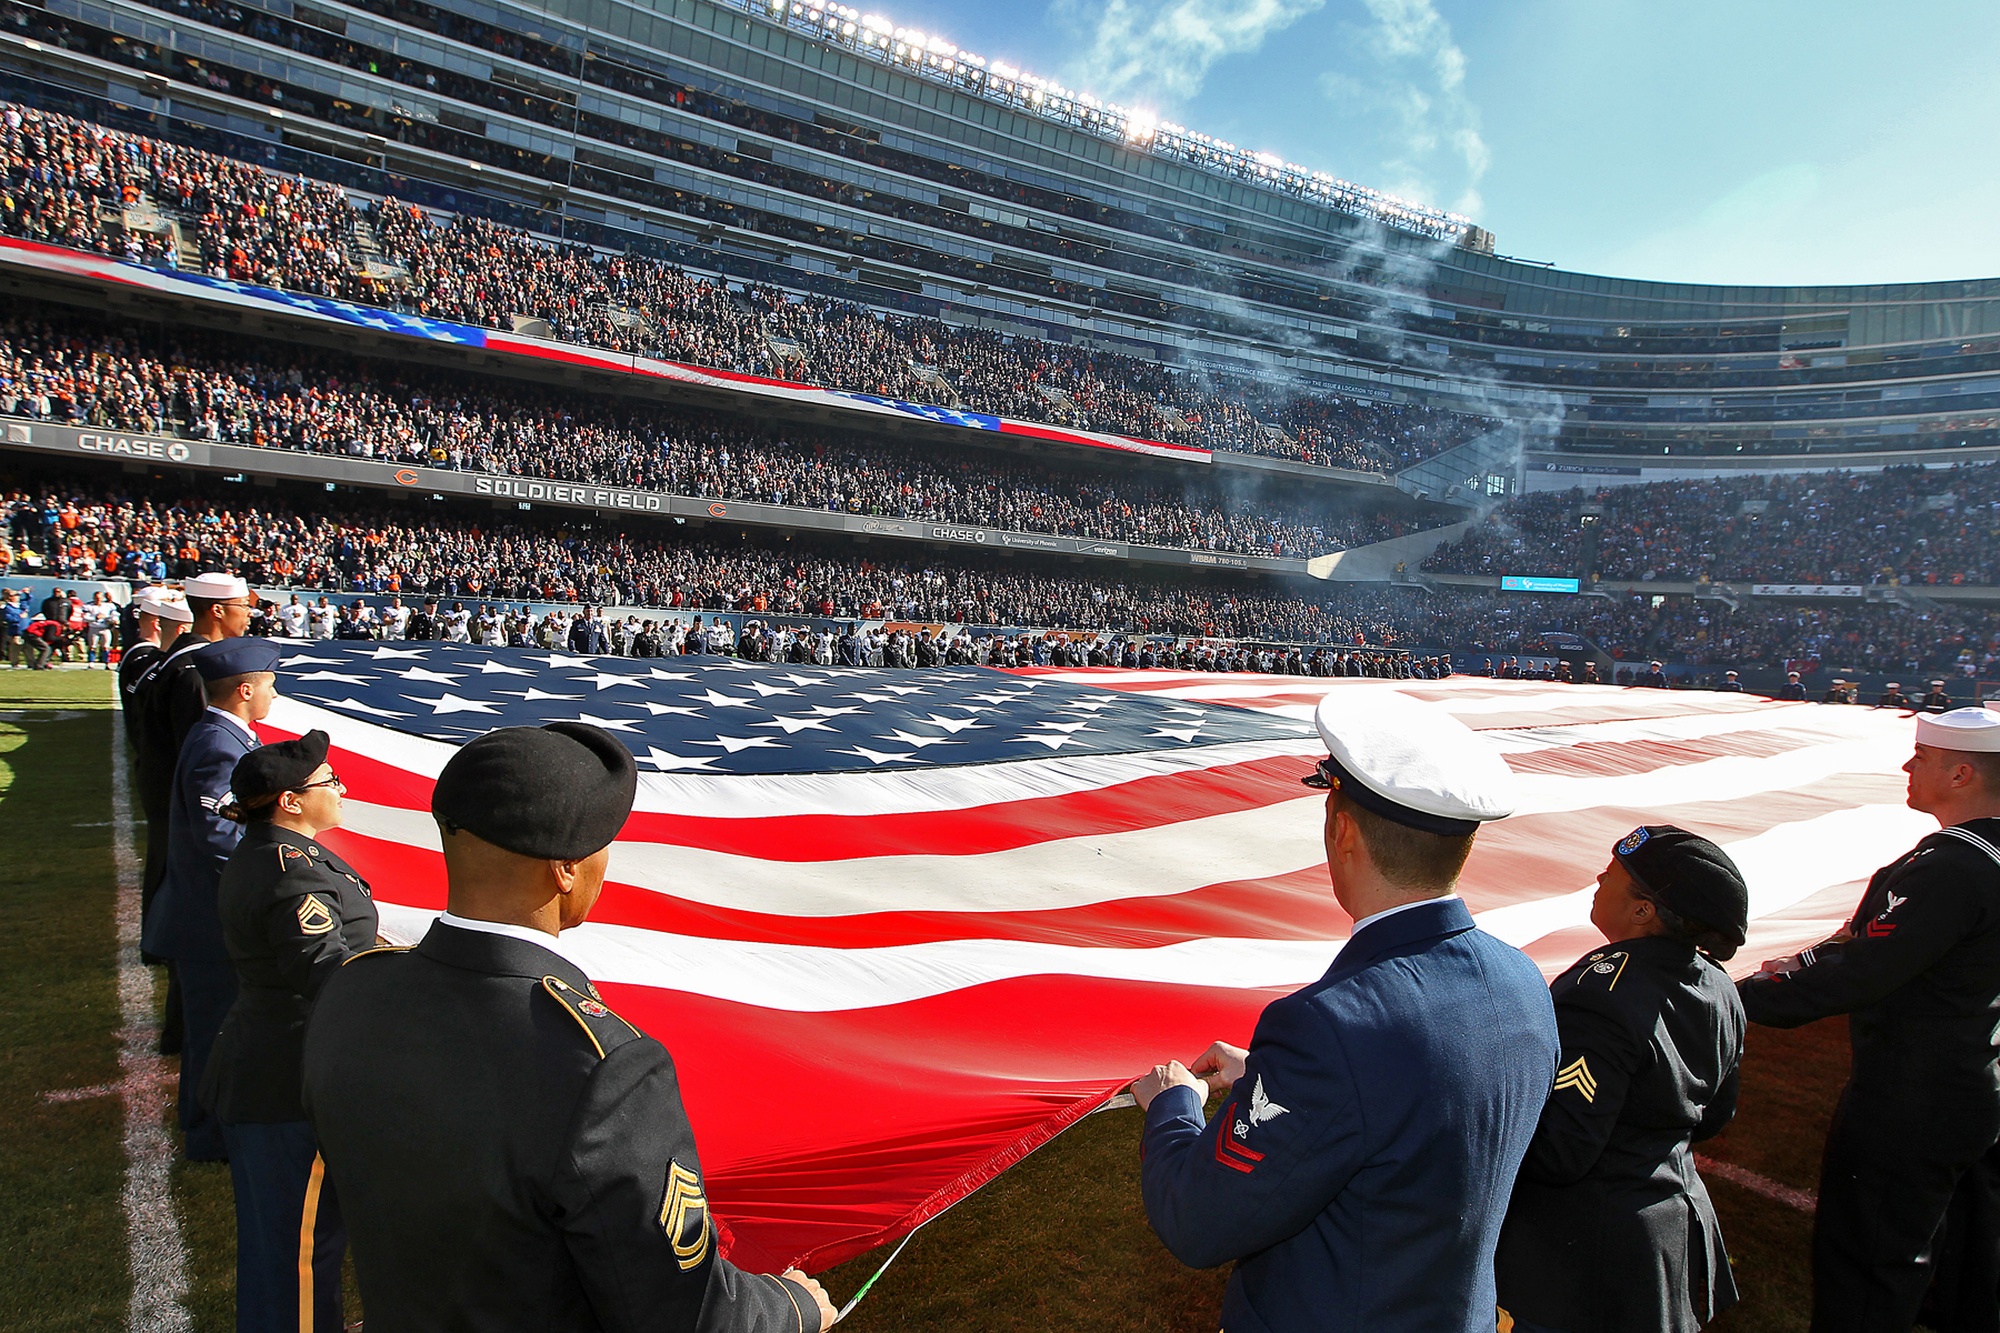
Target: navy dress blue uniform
x=1917 y=970
x=1359 y=1170
x=1610 y=1227
x=292 y=912
x=541 y=1173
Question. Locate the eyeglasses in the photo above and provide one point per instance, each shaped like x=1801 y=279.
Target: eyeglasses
x=330 y=780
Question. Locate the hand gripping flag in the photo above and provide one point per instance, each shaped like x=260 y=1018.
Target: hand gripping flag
x=900 y=928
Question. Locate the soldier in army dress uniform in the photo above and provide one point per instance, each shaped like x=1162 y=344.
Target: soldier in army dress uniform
x=1610 y=1228
x=510 y=1153
x=1917 y=971
x=292 y=912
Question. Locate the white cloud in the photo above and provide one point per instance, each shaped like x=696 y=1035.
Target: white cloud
x=1415 y=86
x=1159 y=53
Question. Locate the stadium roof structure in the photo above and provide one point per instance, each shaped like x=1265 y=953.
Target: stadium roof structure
x=933 y=57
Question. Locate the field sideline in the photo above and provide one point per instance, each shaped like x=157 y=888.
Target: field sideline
x=1058 y=1243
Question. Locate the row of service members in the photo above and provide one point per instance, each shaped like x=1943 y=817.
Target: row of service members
x=1630 y=1083
x=508 y=1020
x=1409 y=1144
x=1937 y=700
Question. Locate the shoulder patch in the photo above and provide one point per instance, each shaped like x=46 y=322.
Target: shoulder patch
x=606 y=1030
x=1576 y=1076
x=315 y=917
x=380 y=948
x=684 y=1217
x=287 y=852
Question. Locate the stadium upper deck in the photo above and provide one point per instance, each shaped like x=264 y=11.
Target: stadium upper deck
x=816 y=149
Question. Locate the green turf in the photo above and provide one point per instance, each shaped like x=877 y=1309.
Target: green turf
x=1060 y=1242
x=62 y=1234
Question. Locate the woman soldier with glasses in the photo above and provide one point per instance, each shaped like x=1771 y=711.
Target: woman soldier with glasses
x=292 y=912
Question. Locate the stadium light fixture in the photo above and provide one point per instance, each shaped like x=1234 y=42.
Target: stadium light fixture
x=933 y=57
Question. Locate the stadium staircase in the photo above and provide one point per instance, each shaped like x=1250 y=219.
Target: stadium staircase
x=370 y=262
x=1912 y=599
x=1469 y=473
x=1397 y=560
x=1059 y=400
x=933 y=377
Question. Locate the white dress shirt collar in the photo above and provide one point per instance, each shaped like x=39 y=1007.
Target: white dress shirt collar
x=241 y=725
x=526 y=934
x=1386 y=912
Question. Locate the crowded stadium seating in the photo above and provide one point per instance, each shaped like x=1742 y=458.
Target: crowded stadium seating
x=1898 y=525
x=60 y=365
x=64 y=528
x=72 y=183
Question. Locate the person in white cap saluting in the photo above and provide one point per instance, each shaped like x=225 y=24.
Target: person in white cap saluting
x=1917 y=971
x=1359 y=1167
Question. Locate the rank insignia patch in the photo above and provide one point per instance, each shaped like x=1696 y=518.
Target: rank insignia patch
x=684 y=1217
x=315 y=917
x=1576 y=1074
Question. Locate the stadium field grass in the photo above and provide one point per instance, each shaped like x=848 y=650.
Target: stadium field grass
x=1060 y=1242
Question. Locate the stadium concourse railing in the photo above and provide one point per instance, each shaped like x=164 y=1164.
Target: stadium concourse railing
x=92 y=445
x=399 y=334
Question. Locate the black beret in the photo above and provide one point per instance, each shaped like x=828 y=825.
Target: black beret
x=271 y=769
x=556 y=793
x=1690 y=877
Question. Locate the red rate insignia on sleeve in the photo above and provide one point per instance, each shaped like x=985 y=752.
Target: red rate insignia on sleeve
x=1229 y=1148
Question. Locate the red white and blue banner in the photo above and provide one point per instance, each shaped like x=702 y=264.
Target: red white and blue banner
x=901 y=928
x=222 y=291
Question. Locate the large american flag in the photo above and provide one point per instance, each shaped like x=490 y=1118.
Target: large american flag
x=899 y=929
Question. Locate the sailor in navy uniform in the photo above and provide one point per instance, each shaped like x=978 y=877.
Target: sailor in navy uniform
x=292 y=912
x=184 y=925
x=477 y=1087
x=1917 y=971
x=1610 y=1228
x=1359 y=1167
x=154 y=616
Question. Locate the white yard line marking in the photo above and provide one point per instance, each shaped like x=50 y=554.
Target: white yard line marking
x=159 y=1258
x=1756 y=1184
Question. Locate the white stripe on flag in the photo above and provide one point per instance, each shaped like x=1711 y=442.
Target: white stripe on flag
x=1785 y=865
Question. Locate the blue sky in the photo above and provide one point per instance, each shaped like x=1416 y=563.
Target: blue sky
x=1773 y=141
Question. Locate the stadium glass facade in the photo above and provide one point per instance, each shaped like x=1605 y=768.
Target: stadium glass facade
x=812 y=148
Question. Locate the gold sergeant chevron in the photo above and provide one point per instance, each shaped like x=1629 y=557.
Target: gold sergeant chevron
x=1576 y=1074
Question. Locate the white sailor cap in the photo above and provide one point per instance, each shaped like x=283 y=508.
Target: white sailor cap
x=164 y=604
x=216 y=587
x=1410 y=762
x=1973 y=729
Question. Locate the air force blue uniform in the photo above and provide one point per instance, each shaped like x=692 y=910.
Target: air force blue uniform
x=184 y=923
x=1359 y=1170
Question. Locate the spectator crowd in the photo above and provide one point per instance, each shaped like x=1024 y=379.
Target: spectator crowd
x=69 y=182
x=59 y=366
x=386 y=552
x=1901 y=525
